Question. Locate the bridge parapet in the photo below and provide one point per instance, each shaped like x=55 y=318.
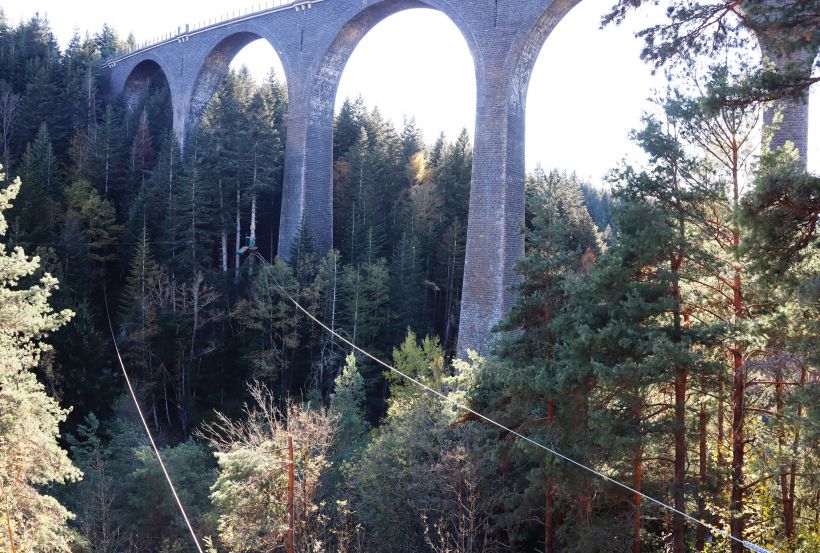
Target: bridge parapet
x=183 y=33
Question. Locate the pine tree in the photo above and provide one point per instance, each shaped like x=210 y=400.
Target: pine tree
x=10 y=104
x=139 y=313
x=30 y=455
x=96 y=218
x=348 y=126
x=673 y=189
x=526 y=381
x=415 y=486
x=106 y=42
x=270 y=325
x=250 y=493
x=142 y=155
x=726 y=139
x=785 y=31
x=406 y=287
x=348 y=403
x=41 y=102
x=109 y=155
x=37 y=208
x=453 y=174
x=328 y=285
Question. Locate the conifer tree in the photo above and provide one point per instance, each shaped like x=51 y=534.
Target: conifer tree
x=328 y=285
x=250 y=493
x=139 y=314
x=673 y=189
x=142 y=154
x=406 y=287
x=109 y=155
x=96 y=218
x=348 y=403
x=270 y=325
x=726 y=138
x=527 y=381
x=38 y=168
x=10 y=104
x=30 y=455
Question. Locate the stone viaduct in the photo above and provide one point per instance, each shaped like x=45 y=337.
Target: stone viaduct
x=314 y=40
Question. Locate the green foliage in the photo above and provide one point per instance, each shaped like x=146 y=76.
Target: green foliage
x=270 y=322
x=153 y=507
x=36 y=210
x=786 y=31
x=782 y=215
x=250 y=492
x=348 y=403
x=30 y=455
x=416 y=485
x=97 y=220
x=614 y=315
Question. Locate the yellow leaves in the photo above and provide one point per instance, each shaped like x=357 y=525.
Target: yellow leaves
x=417 y=168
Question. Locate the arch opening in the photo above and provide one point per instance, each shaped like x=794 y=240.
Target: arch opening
x=147 y=78
x=402 y=154
x=581 y=129
x=237 y=130
x=242 y=48
x=148 y=102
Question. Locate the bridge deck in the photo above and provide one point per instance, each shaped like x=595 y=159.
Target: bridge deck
x=183 y=33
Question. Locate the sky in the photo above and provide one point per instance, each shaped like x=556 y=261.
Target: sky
x=588 y=87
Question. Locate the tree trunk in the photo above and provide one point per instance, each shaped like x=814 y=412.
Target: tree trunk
x=549 y=526
x=738 y=407
x=636 y=546
x=238 y=229
x=252 y=235
x=681 y=375
x=678 y=523
x=107 y=154
x=737 y=523
x=700 y=538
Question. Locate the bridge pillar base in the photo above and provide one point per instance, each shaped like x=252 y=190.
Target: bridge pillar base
x=494 y=239
x=307 y=190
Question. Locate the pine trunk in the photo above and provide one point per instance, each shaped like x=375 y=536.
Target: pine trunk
x=636 y=546
x=737 y=524
x=678 y=523
x=549 y=522
x=252 y=236
x=738 y=407
x=238 y=230
x=681 y=375
x=224 y=233
x=700 y=538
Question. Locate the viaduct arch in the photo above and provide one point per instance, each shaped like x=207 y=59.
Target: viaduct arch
x=314 y=40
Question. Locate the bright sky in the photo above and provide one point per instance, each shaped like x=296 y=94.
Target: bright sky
x=587 y=90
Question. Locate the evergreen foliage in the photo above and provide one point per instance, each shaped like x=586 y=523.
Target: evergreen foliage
x=665 y=330
x=30 y=456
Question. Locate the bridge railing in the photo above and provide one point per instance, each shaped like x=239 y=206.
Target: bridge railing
x=184 y=31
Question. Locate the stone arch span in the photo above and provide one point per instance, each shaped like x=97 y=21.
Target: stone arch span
x=328 y=70
x=308 y=193
x=504 y=38
x=145 y=74
x=314 y=44
x=213 y=68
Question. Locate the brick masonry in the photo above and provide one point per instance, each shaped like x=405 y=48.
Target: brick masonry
x=314 y=40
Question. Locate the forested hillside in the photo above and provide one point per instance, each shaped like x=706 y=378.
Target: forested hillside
x=665 y=333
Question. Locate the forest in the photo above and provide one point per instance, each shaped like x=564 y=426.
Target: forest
x=666 y=331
